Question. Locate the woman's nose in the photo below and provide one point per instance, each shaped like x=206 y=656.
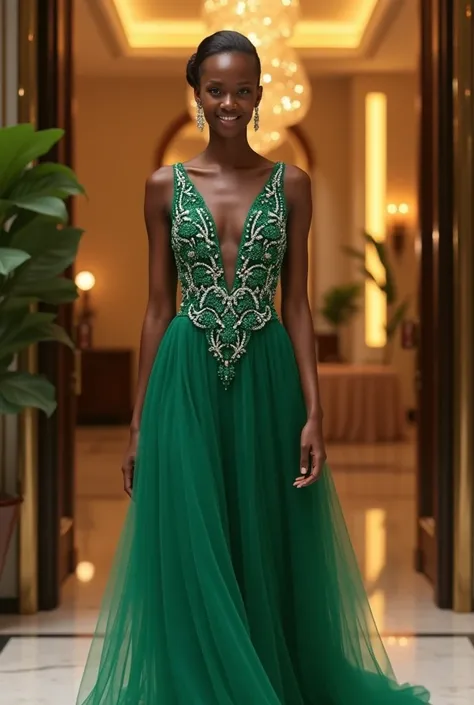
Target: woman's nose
x=228 y=101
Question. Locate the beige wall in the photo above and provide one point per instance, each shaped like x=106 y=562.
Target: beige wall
x=119 y=122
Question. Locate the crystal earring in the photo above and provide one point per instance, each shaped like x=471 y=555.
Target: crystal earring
x=200 y=117
x=256 y=119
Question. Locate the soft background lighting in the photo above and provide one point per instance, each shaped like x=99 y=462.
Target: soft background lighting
x=85 y=281
x=286 y=87
x=85 y=571
x=375 y=200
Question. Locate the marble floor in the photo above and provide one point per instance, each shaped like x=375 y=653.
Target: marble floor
x=42 y=657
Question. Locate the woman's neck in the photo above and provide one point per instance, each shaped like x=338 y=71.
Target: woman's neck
x=229 y=152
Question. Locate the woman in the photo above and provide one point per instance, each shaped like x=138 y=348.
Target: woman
x=230 y=586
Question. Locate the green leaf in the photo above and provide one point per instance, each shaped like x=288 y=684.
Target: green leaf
x=340 y=303
x=50 y=291
x=388 y=287
x=60 y=336
x=10 y=259
x=396 y=318
x=19 y=146
x=368 y=275
x=45 y=205
x=20 y=329
x=47 y=179
x=21 y=390
x=52 y=249
x=6 y=407
x=13 y=303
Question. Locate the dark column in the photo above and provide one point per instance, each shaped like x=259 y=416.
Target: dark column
x=56 y=435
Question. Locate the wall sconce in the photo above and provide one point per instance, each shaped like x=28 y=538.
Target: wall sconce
x=397 y=226
x=85 y=282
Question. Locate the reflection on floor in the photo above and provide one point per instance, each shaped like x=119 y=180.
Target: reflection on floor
x=41 y=658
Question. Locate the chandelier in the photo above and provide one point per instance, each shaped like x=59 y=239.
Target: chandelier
x=286 y=88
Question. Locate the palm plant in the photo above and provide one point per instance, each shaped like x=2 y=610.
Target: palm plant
x=340 y=304
x=386 y=284
x=36 y=247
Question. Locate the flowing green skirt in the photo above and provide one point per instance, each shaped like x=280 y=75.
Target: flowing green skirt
x=230 y=586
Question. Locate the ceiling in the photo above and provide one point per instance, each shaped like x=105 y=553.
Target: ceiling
x=155 y=37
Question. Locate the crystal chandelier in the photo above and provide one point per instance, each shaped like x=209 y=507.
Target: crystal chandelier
x=263 y=21
x=286 y=88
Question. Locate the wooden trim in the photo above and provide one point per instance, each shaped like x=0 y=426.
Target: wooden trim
x=28 y=427
x=3 y=62
x=56 y=453
x=425 y=363
x=464 y=310
x=444 y=497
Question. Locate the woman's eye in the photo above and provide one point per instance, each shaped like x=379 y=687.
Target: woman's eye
x=244 y=91
x=214 y=91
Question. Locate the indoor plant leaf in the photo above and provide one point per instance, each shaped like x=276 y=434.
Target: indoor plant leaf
x=45 y=205
x=19 y=146
x=396 y=318
x=50 y=291
x=22 y=389
x=52 y=249
x=34 y=328
x=388 y=287
x=340 y=303
x=47 y=179
x=11 y=258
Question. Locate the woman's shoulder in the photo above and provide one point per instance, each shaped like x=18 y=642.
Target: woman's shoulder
x=159 y=186
x=161 y=177
x=297 y=184
x=295 y=175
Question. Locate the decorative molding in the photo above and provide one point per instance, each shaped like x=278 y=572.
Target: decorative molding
x=163 y=38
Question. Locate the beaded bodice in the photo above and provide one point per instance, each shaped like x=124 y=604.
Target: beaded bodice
x=228 y=316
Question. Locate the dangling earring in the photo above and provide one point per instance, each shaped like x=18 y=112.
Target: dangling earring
x=256 y=119
x=200 y=117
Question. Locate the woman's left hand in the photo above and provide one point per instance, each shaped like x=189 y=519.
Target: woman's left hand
x=313 y=454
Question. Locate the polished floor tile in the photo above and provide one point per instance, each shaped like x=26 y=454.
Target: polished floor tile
x=376 y=486
x=47 y=671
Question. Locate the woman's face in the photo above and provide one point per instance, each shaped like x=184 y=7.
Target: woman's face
x=229 y=92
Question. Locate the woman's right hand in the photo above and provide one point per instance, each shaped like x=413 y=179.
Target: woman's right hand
x=128 y=464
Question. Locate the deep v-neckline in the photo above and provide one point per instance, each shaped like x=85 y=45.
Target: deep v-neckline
x=243 y=234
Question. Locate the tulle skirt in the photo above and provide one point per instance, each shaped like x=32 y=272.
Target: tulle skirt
x=230 y=586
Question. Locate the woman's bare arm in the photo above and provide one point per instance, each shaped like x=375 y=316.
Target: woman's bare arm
x=297 y=317
x=161 y=307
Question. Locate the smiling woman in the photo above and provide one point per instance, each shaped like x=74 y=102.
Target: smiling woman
x=230 y=586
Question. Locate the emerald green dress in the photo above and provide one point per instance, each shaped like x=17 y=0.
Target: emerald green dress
x=231 y=586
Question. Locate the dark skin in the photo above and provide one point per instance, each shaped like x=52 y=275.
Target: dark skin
x=229 y=175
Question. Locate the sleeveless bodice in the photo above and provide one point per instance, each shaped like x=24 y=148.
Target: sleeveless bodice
x=228 y=316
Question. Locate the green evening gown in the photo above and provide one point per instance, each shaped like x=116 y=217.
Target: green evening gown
x=230 y=586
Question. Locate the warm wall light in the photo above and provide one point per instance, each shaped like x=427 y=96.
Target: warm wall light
x=376 y=559
x=85 y=281
x=375 y=202
x=85 y=571
x=398 y=226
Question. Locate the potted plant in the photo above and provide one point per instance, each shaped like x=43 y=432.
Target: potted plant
x=396 y=310
x=36 y=247
x=340 y=303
